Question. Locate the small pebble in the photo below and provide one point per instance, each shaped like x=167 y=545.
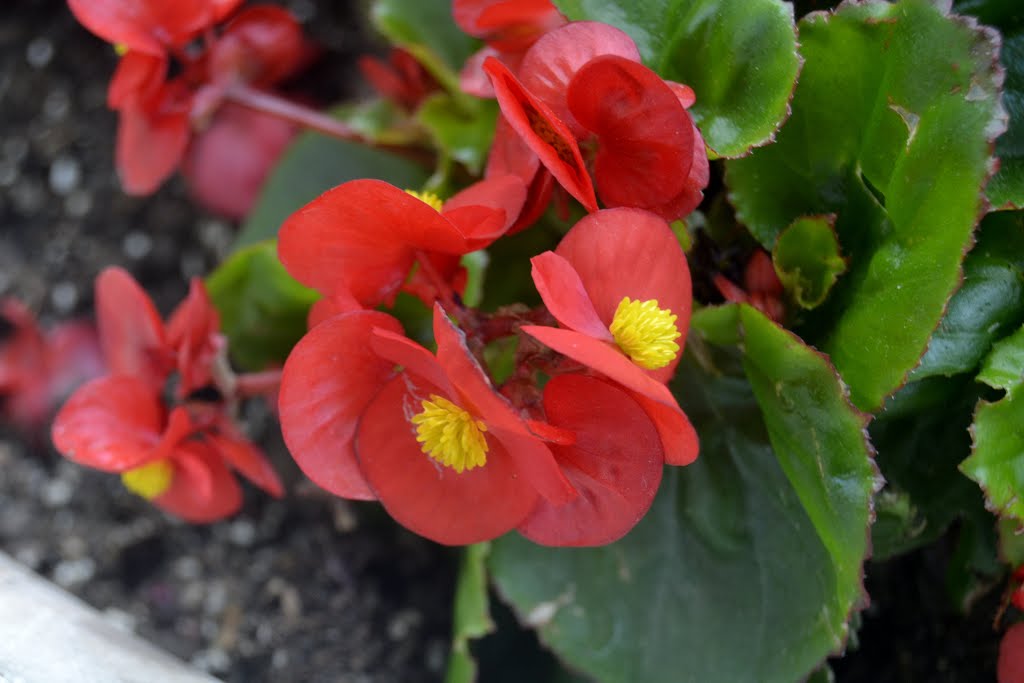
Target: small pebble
x=28 y=197
x=64 y=296
x=214 y=660
x=78 y=204
x=242 y=532
x=56 y=493
x=15 y=148
x=188 y=568
x=65 y=175
x=192 y=264
x=302 y=10
x=56 y=105
x=136 y=245
x=403 y=623
x=39 y=53
x=279 y=659
x=216 y=598
x=9 y=172
x=70 y=573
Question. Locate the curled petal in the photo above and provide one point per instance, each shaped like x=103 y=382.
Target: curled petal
x=132 y=334
x=146 y=25
x=616 y=464
x=202 y=487
x=565 y=296
x=327 y=382
x=246 y=458
x=485 y=210
x=152 y=136
x=262 y=45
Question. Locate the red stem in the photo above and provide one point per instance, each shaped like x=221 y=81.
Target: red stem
x=257 y=383
x=258 y=100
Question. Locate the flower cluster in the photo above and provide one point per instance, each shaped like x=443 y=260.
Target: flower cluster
x=569 y=447
x=162 y=417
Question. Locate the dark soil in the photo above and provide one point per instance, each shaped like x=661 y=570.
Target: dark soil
x=307 y=589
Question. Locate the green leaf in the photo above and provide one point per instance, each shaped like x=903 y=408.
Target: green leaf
x=262 y=309
x=465 y=135
x=472 y=618
x=428 y=30
x=997 y=457
x=312 y=165
x=988 y=304
x=893 y=119
x=743 y=569
x=1006 y=189
x=807 y=259
x=739 y=56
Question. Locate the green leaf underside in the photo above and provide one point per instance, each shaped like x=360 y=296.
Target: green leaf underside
x=465 y=135
x=413 y=23
x=739 y=56
x=892 y=121
x=997 y=458
x=989 y=303
x=729 y=576
x=312 y=165
x=262 y=309
x=471 y=616
x=807 y=259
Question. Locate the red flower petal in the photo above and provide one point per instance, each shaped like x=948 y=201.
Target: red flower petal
x=615 y=464
x=551 y=63
x=565 y=296
x=543 y=132
x=144 y=25
x=327 y=381
x=202 y=489
x=151 y=139
x=485 y=210
x=645 y=135
x=245 y=457
x=138 y=75
x=416 y=361
x=432 y=500
x=131 y=333
x=678 y=437
x=262 y=45
x=630 y=252
x=361 y=237
x=510 y=25
x=193 y=331
x=1010 y=668
x=111 y=423
x=533 y=457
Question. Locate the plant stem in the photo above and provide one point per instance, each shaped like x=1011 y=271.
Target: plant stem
x=257 y=383
x=267 y=103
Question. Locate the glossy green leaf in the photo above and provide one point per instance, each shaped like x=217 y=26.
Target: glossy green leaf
x=1006 y=189
x=748 y=564
x=262 y=309
x=739 y=56
x=997 y=457
x=465 y=135
x=893 y=119
x=807 y=259
x=312 y=165
x=987 y=306
x=472 y=617
x=426 y=29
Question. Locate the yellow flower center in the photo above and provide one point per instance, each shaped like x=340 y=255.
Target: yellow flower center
x=151 y=480
x=428 y=198
x=646 y=333
x=450 y=435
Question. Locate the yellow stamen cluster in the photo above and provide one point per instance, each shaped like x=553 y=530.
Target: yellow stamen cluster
x=450 y=435
x=646 y=333
x=151 y=480
x=428 y=198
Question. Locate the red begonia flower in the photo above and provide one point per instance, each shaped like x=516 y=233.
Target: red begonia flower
x=763 y=291
x=615 y=463
x=150 y=26
x=543 y=132
x=1010 y=667
x=645 y=154
x=328 y=380
x=498 y=468
x=550 y=65
x=401 y=79
x=510 y=155
x=260 y=46
x=507 y=25
x=620 y=285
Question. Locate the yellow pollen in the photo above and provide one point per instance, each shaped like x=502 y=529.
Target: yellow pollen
x=121 y=49
x=646 y=333
x=428 y=198
x=151 y=480
x=450 y=435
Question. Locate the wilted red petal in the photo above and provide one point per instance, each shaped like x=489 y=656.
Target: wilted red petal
x=327 y=381
x=486 y=209
x=193 y=331
x=532 y=456
x=360 y=237
x=1010 y=668
x=262 y=45
x=145 y=25
x=551 y=63
x=432 y=500
x=131 y=333
x=202 y=489
x=543 y=132
x=111 y=423
x=630 y=252
x=565 y=296
x=645 y=136
x=151 y=140
x=615 y=464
